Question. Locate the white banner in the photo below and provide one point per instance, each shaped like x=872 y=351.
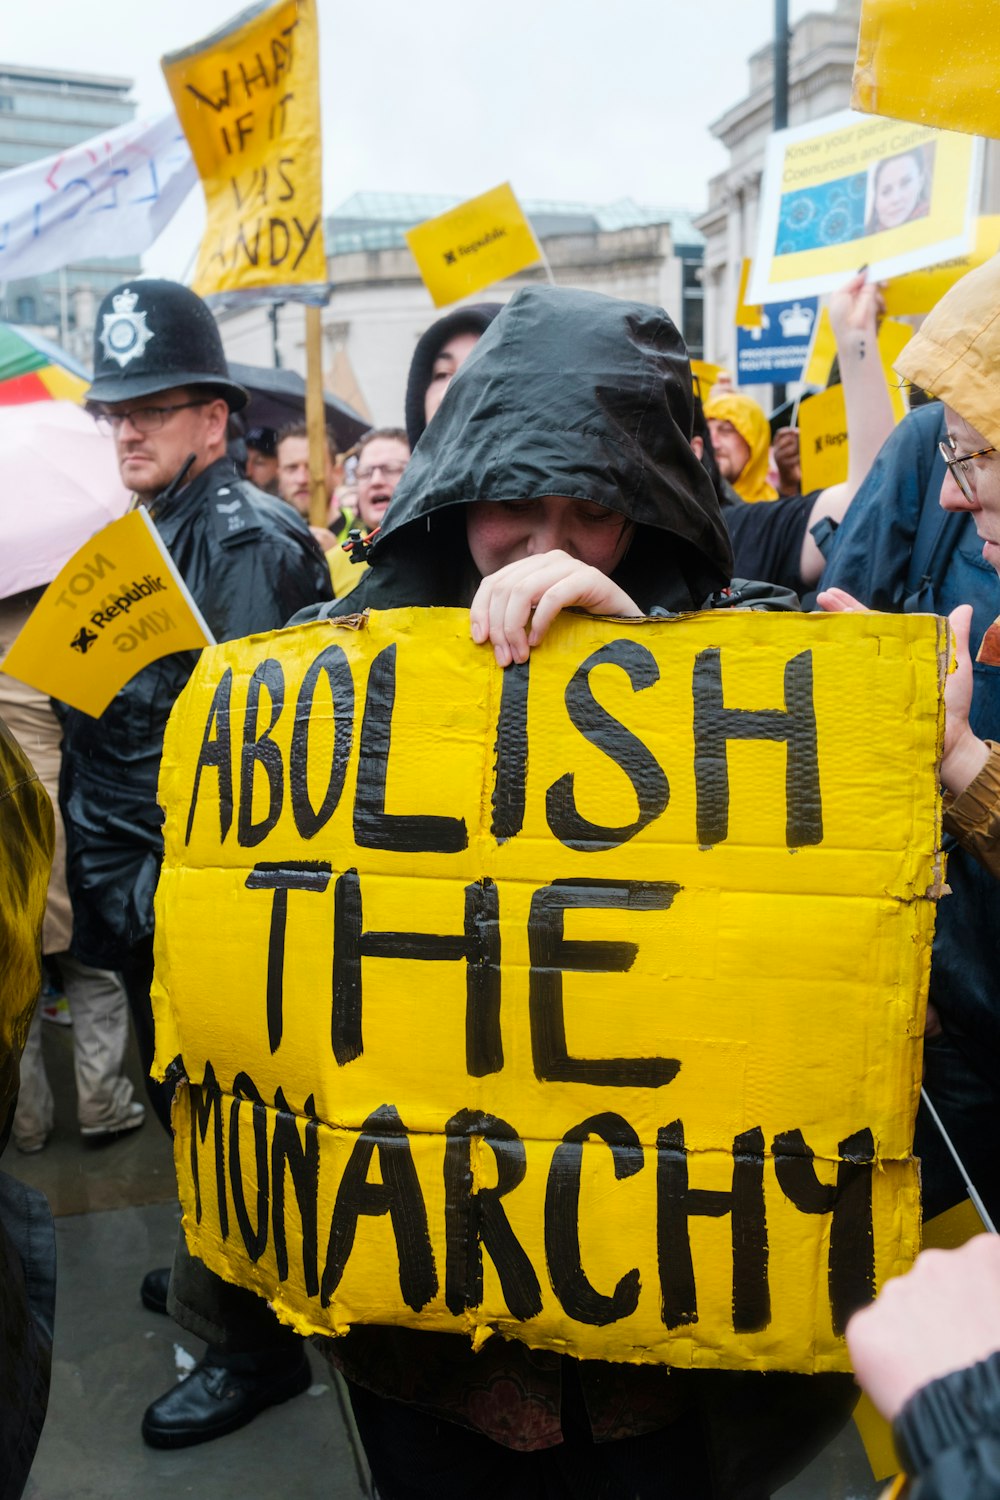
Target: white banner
x=105 y=197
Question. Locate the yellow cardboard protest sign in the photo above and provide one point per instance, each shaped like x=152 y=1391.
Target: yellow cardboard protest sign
x=586 y=1009
x=822 y=422
x=247 y=98
x=917 y=293
x=842 y=192
x=474 y=245
x=893 y=336
x=822 y=351
x=706 y=376
x=747 y=315
x=891 y=72
x=118 y=604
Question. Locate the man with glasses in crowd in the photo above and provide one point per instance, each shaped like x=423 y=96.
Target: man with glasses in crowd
x=162 y=387
x=382 y=455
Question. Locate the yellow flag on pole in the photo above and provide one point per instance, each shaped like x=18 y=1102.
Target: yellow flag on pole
x=248 y=101
x=480 y=242
x=935 y=63
x=117 y=605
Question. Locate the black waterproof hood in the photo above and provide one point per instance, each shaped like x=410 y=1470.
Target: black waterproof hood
x=567 y=393
x=475 y=317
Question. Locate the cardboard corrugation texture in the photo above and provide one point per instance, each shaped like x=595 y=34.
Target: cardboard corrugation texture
x=581 y=1003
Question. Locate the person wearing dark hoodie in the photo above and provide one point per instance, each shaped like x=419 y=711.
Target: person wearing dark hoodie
x=441 y=351
x=559 y=472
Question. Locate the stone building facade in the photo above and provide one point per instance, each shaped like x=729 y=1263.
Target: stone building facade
x=379 y=306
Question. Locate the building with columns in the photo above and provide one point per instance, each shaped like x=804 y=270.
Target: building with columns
x=820 y=69
x=379 y=306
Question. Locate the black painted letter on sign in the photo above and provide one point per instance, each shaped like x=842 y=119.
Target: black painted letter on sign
x=577 y=1296
x=794 y=725
x=398 y=1195
x=618 y=744
x=552 y=955
x=374 y=828
x=475 y=1219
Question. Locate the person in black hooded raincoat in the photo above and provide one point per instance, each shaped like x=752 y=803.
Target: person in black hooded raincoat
x=561 y=457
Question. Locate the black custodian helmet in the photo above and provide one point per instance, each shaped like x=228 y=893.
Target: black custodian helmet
x=154 y=335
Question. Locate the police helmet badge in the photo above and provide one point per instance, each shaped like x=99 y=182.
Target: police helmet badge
x=125 y=335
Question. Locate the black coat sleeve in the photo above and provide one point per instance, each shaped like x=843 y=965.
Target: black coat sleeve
x=948 y=1435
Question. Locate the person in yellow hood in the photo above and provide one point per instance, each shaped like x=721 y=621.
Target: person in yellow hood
x=741 y=438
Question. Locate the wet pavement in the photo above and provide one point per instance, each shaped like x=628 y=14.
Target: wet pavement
x=116 y=1217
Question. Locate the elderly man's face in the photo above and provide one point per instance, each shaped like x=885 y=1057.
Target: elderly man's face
x=982 y=475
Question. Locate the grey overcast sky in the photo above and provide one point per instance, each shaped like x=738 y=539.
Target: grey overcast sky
x=568 y=99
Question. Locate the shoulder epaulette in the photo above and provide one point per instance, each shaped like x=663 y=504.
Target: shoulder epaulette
x=234 y=519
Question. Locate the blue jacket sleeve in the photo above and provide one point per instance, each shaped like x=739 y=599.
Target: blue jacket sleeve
x=871 y=551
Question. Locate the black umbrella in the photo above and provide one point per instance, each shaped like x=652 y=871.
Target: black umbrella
x=278 y=397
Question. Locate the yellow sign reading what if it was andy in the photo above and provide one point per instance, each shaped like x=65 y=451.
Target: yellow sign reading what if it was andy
x=585 y=1008
x=248 y=101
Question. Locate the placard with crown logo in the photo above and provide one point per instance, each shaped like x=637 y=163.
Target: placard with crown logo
x=777 y=349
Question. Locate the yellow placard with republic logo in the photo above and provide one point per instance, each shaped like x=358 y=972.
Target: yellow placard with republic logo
x=480 y=242
x=823 y=439
x=118 y=604
x=585 y=1010
x=247 y=98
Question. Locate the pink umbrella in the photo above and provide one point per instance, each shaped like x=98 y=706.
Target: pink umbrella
x=58 y=485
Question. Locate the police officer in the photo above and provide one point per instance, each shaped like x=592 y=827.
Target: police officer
x=162 y=385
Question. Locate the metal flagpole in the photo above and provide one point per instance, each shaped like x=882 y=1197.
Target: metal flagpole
x=780 y=117
x=977 y=1202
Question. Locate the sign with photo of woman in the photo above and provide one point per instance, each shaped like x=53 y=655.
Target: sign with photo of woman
x=845 y=191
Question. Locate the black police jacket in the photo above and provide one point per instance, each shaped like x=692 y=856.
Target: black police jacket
x=948 y=1435
x=249 y=562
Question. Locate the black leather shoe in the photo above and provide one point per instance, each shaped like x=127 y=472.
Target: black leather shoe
x=214 y=1400
x=154 y=1289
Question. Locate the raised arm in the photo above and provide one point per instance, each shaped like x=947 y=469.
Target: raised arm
x=854 y=314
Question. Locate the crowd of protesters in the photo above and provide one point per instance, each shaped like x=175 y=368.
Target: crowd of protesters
x=517 y=489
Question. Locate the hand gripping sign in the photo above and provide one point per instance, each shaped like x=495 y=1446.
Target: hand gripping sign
x=580 y=1002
